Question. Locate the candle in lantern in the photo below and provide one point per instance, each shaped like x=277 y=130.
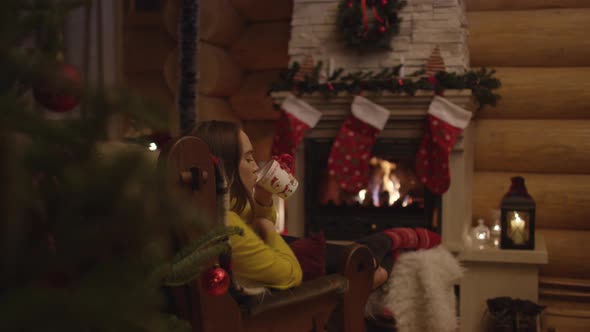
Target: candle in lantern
x=402 y=69
x=517 y=229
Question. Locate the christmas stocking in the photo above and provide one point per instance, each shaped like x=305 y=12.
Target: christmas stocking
x=349 y=158
x=297 y=117
x=445 y=122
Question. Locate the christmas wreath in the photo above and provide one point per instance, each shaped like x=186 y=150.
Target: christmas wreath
x=369 y=24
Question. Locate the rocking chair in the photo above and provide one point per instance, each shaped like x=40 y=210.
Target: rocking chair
x=334 y=302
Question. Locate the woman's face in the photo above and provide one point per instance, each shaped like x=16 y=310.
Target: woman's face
x=248 y=166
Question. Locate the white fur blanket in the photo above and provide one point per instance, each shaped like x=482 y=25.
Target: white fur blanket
x=420 y=291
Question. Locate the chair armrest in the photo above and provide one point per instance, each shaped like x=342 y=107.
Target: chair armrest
x=357 y=267
x=334 y=284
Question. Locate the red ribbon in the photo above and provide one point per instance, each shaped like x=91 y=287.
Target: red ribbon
x=379 y=19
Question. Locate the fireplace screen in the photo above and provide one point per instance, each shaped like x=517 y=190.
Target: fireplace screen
x=392 y=196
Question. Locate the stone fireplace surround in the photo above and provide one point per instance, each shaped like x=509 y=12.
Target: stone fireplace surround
x=407 y=119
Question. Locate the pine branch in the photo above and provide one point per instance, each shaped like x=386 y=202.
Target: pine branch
x=213 y=237
x=188 y=263
x=191 y=267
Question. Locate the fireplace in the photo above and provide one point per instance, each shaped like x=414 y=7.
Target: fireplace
x=449 y=214
x=392 y=197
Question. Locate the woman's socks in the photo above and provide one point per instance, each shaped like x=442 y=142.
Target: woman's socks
x=412 y=238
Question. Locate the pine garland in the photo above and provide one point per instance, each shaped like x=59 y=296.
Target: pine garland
x=187 y=97
x=359 y=33
x=482 y=82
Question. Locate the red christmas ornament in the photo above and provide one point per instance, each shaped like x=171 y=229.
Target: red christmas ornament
x=382 y=29
x=215 y=281
x=384 y=2
x=349 y=4
x=58 y=96
x=432 y=80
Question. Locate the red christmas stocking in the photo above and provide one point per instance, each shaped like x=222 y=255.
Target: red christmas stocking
x=297 y=117
x=349 y=157
x=446 y=121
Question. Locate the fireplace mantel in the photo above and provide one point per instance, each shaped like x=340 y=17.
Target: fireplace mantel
x=407 y=119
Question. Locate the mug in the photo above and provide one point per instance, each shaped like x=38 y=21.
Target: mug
x=276 y=179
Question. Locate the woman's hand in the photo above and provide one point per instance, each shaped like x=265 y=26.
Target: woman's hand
x=263 y=196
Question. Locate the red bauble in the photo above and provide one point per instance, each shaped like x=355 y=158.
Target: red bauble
x=215 y=281
x=384 y=2
x=432 y=80
x=58 y=96
x=382 y=29
x=349 y=4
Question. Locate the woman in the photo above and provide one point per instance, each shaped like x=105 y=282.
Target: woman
x=261 y=257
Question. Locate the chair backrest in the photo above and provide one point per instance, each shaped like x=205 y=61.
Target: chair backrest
x=189 y=167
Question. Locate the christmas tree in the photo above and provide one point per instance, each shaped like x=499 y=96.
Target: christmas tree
x=84 y=242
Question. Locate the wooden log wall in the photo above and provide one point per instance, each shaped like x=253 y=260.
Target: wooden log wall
x=250 y=101
x=262 y=51
x=539 y=130
x=264 y=10
x=145 y=46
x=530 y=38
x=243 y=46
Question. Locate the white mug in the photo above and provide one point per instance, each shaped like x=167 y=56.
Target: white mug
x=277 y=180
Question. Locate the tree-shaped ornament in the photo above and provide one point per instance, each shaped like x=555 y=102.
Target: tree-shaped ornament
x=306 y=69
x=435 y=63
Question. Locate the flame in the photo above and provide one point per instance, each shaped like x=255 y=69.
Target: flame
x=390 y=182
x=362 y=195
x=517 y=220
x=386 y=181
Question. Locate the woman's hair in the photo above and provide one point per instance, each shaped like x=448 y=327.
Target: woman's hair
x=223 y=139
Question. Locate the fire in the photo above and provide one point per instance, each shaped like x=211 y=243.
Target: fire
x=383 y=181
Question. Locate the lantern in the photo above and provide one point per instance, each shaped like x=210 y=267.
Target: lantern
x=517 y=217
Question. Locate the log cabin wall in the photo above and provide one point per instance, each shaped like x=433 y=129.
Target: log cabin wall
x=262 y=51
x=243 y=47
x=540 y=130
x=145 y=45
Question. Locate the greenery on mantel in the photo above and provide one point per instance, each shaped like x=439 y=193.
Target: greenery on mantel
x=482 y=82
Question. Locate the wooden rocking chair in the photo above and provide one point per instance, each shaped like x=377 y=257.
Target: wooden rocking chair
x=333 y=302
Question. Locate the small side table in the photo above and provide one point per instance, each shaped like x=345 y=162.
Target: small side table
x=493 y=272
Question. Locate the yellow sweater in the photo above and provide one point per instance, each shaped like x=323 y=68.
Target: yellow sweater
x=268 y=264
